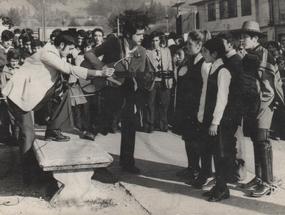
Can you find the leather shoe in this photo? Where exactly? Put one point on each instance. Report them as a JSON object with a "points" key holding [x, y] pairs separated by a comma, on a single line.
{"points": [[255, 181], [131, 169], [87, 135], [210, 192], [199, 182], [219, 195], [56, 135], [261, 190]]}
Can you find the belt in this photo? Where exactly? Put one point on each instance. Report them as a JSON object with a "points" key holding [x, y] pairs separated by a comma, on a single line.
{"points": [[164, 75]]}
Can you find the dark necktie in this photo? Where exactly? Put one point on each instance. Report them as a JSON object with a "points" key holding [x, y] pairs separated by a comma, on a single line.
{"points": [[158, 59]]}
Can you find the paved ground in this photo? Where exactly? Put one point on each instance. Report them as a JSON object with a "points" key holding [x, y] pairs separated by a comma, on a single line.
{"points": [[156, 191], [161, 155]]}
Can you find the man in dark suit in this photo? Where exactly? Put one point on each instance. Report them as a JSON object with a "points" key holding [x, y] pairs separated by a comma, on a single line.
{"points": [[130, 73]]}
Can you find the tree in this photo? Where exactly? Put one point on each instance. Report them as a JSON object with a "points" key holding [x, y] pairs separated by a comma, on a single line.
{"points": [[136, 15], [15, 16], [73, 22]]}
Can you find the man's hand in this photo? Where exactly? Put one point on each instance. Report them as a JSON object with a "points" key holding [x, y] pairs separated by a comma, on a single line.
{"points": [[213, 130], [107, 71], [241, 52]]}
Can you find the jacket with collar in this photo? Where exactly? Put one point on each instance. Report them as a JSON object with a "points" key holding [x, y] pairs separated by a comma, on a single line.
{"points": [[38, 74], [261, 79]]}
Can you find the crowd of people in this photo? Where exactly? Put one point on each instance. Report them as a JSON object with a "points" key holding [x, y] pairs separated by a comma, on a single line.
{"points": [[203, 88]]}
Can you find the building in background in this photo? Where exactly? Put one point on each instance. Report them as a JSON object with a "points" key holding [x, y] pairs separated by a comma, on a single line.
{"points": [[222, 15], [278, 17]]}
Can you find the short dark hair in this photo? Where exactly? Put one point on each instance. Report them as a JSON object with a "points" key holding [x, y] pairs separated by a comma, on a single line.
{"points": [[65, 37], [134, 20], [13, 54], [274, 44], [26, 38], [215, 45], [97, 29], [7, 35], [81, 33], [55, 33], [196, 36], [228, 36], [156, 34], [17, 31]]}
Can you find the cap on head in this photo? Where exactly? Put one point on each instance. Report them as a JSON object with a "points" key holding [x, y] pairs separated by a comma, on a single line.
{"points": [[251, 27]]}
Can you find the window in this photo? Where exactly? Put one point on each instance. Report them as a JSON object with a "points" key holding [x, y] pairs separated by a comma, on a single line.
{"points": [[282, 11], [282, 17], [197, 20], [211, 11], [245, 7], [228, 8]]}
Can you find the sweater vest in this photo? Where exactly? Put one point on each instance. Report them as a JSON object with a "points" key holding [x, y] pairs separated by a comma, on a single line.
{"points": [[190, 88], [211, 99]]}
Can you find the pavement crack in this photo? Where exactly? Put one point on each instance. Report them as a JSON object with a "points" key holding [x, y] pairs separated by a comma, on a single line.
{"points": [[128, 192]]}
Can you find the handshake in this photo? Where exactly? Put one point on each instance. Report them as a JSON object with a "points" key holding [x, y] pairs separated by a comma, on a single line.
{"points": [[104, 72]]}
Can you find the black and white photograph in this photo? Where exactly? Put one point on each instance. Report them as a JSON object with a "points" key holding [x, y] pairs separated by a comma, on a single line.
{"points": [[142, 107]]}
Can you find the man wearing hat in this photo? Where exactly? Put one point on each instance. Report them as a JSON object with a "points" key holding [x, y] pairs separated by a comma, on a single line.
{"points": [[262, 91]]}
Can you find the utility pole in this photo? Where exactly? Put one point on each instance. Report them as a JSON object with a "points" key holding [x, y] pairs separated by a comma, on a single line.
{"points": [[44, 19], [167, 19], [178, 17], [118, 26]]}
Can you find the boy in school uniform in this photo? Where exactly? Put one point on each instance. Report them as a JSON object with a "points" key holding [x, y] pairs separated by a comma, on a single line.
{"points": [[215, 115]]}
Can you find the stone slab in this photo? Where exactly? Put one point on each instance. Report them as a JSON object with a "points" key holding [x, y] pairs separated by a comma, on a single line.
{"points": [[76, 154]]}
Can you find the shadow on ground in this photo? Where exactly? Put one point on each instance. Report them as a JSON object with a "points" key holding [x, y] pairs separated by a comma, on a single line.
{"points": [[162, 176]]}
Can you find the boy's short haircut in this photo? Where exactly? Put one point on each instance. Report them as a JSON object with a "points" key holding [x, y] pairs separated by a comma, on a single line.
{"points": [[81, 33], [13, 54], [55, 33], [196, 36], [26, 38], [97, 29], [155, 34], [7, 35], [17, 31], [215, 45], [274, 44], [65, 37], [228, 36], [87, 42], [133, 21]]}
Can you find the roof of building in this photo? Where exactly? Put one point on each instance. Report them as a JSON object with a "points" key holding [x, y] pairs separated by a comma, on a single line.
{"points": [[201, 2]]}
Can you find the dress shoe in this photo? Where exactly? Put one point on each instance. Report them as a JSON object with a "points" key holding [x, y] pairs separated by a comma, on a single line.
{"points": [[56, 135], [87, 135], [131, 169], [199, 182], [261, 190], [210, 192], [255, 181], [219, 195]]}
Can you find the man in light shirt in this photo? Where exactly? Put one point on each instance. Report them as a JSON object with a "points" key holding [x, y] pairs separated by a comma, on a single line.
{"points": [[34, 85]]}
